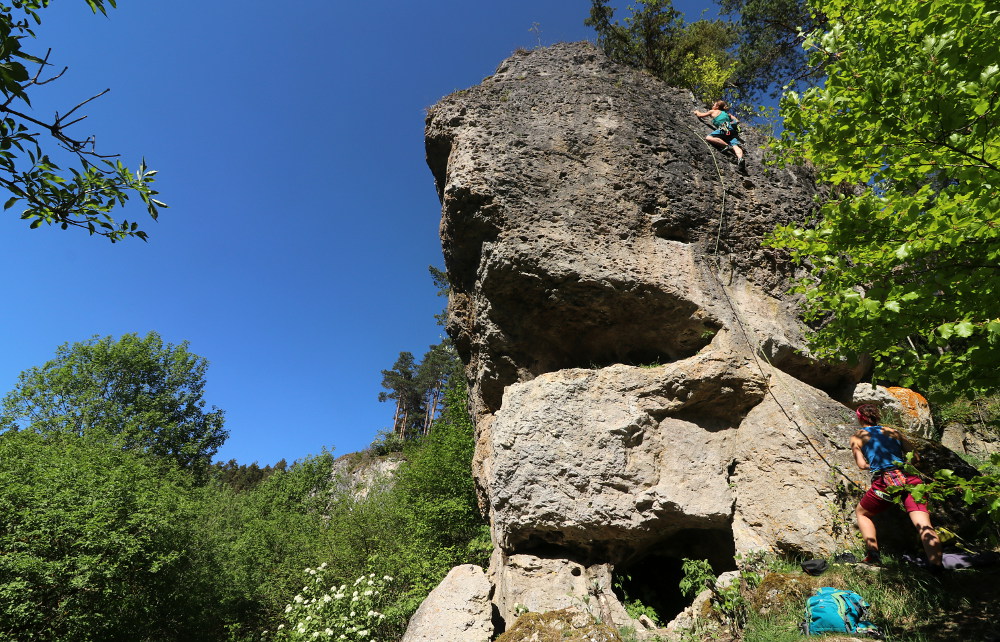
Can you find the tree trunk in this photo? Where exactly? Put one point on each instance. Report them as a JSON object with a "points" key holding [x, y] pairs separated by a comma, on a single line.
{"points": [[395, 418]]}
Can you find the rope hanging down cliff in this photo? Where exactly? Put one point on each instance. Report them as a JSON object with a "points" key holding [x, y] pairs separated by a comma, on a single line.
{"points": [[755, 351]]}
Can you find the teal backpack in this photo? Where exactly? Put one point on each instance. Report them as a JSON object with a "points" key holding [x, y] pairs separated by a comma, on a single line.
{"points": [[833, 610]]}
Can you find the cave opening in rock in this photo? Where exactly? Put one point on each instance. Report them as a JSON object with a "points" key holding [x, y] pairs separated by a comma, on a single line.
{"points": [[650, 583]]}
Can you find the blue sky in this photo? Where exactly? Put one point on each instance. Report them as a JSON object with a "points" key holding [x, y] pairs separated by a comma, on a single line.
{"points": [[289, 143]]}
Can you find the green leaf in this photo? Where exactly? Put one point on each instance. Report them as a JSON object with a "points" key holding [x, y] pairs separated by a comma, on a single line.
{"points": [[964, 329]]}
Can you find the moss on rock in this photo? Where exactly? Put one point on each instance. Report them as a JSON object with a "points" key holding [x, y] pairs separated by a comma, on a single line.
{"points": [[566, 625]]}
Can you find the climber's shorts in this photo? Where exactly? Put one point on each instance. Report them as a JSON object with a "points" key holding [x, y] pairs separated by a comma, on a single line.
{"points": [[877, 500], [728, 138]]}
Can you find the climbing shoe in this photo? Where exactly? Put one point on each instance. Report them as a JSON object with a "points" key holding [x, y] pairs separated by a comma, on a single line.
{"points": [[742, 165], [873, 558]]}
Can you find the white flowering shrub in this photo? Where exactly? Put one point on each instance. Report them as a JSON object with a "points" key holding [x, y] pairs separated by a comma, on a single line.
{"points": [[325, 611]]}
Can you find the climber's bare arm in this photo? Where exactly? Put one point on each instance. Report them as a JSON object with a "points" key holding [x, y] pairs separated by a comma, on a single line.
{"points": [[856, 442]]}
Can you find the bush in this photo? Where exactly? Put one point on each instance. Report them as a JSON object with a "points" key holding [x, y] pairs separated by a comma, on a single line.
{"points": [[346, 612], [97, 545]]}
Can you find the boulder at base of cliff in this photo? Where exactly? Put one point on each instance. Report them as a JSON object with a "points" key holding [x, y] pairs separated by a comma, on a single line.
{"points": [[458, 610], [912, 408]]}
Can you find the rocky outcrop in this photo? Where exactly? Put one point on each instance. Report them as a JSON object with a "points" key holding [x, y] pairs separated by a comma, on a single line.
{"points": [[905, 407], [640, 383], [564, 625], [458, 609], [359, 473], [537, 584], [586, 222], [618, 312], [970, 440]]}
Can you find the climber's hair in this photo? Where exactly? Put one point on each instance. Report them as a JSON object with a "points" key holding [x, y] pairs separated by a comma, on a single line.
{"points": [[868, 414], [721, 104]]}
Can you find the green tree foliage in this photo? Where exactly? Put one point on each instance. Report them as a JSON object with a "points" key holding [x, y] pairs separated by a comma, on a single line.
{"points": [[769, 47], [440, 278], [83, 195], [906, 254], [655, 37], [422, 522], [262, 537], [100, 544], [244, 477], [982, 413], [103, 543], [143, 392], [417, 388], [402, 387], [644, 40], [437, 483], [701, 59]]}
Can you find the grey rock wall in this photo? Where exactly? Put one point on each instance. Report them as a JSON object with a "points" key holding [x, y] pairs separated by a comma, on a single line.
{"points": [[639, 381]]}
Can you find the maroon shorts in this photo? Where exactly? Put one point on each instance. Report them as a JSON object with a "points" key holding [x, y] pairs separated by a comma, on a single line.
{"points": [[877, 500]]}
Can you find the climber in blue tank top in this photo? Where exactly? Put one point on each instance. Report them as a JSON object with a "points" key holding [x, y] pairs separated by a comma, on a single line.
{"points": [[725, 135], [879, 449]]}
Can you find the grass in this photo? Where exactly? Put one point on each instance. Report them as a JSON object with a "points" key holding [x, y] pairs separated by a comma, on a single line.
{"points": [[908, 604]]}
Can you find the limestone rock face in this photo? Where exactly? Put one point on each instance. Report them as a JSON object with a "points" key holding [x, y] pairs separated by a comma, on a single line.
{"points": [[970, 441], [359, 474], [458, 610], [611, 461], [536, 584], [640, 383], [590, 233], [587, 222]]}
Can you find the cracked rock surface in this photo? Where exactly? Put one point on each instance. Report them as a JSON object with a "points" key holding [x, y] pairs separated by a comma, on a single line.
{"points": [[639, 380]]}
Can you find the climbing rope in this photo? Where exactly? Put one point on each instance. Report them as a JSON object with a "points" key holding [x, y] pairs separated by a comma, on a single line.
{"points": [[755, 350]]}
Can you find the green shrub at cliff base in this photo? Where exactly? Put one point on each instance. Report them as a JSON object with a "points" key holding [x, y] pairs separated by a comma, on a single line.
{"points": [[436, 482], [418, 526], [98, 544], [980, 494], [908, 266], [262, 538]]}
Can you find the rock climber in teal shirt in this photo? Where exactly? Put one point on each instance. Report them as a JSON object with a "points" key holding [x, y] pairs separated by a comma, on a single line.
{"points": [[725, 135]]}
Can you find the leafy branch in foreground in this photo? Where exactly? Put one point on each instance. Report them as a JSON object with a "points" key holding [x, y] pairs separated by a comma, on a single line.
{"points": [[980, 493], [906, 254], [83, 195]]}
